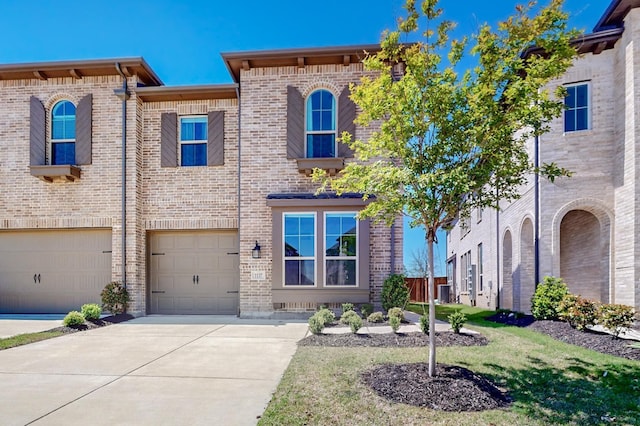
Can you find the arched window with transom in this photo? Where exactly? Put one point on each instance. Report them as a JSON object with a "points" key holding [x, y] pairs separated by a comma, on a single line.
{"points": [[63, 133], [320, 124]]}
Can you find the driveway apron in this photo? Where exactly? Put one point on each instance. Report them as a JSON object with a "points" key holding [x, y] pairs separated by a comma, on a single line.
{"points": [[156, 370]]}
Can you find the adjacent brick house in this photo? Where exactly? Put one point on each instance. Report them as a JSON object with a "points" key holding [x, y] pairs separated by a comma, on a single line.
{"points": [[584, 228], [209, 174]]}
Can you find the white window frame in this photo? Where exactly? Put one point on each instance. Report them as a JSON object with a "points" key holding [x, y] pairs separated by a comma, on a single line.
{"points": [[52, 140], [315, 250], [321, 132], [589, 107], [204, 141], [324, 251], [480, 255]]}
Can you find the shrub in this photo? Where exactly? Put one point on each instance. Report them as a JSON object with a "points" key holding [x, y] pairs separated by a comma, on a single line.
{"points": [[73, 318], [616, 317], [326, 315], [547, 298], [375, 317], [91, 311], [355, 323], [424, 324], [578, 311], [347, 316], [366, 309], [395, 293], [396, 312], [347, 307], [316, 324], [394, 322], [115, 298], [457, 320]]}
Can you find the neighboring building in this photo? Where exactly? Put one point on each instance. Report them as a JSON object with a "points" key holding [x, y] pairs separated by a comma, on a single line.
{"points": [[201, 175], [585, 229]]}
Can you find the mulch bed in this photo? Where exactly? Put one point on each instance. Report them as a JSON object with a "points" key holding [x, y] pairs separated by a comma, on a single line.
{"points": [[395, 340], [89, 325]]}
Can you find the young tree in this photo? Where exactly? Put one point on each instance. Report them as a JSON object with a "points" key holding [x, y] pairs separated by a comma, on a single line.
{"points": [[449, 142]]}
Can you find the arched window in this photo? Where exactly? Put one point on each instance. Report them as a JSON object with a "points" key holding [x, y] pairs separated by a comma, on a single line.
{"points": [[63, 133], [321, 124]]}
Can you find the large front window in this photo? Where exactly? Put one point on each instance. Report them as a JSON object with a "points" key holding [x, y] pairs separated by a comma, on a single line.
{"points": [[63, 133], [341, 242], [299, 249], [193, 141], [321, 124], [576, 113]]}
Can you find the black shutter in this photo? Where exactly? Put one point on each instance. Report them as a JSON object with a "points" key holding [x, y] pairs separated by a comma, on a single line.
{"points": [[215, 142], [83, 131], [37, 132], [346, 116], [295, 123], [169, 139]]}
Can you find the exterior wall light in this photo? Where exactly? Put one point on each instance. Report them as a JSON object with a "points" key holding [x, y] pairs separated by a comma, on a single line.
{"points": [[255, 253]]}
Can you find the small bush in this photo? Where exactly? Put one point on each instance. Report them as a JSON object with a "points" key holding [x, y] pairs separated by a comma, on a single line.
{"points": [[366, 309], [375, 317], [316, 324], [73, 318], [395, 293], [547, 298], [347, 316], [396, 312], [91, 311], [394, 322], [326, 315], [424, 324], [355, 323], [616, 318], [115, 298], [578, 311], [457, 320], [347, 307]]}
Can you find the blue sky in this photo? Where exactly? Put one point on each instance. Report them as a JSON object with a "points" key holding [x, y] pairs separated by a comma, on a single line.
{"points": [[182, 40]]}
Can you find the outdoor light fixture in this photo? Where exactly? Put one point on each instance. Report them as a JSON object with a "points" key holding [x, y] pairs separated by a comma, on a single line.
{"points": [[255, 253]]}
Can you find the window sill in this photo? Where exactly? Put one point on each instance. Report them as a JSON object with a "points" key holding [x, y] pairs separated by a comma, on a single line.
{"points": [[57, 173], [331, 165]]}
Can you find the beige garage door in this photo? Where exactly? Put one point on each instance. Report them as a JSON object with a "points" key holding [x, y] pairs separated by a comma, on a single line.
{"points": [[194, 273], [53, 271]]}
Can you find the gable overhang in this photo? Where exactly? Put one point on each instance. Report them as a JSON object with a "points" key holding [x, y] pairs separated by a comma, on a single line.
{"points": [[79, 69], [345, 55], [188, 93], [614, 16]]}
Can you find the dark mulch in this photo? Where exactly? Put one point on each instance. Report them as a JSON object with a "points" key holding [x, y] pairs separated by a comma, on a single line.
{"points": [[452, 388], [396, 340], [89, 325]]}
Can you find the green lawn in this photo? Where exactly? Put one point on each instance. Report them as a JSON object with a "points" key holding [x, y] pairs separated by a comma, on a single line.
{"points": [[549, 381], [24, 339]]}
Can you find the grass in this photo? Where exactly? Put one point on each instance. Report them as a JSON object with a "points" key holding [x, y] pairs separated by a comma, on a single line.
{"points": [[25, 339], [550, 382]]}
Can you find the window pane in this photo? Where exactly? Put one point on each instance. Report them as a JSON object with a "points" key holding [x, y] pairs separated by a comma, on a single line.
{"points": [[316, 99], [193, 154], [292, 246], [299, 272], [332, 245], [327, 120], [63, 153], [341, 272], [582, 95], [582, 119], [307, 225], [291, 225], [315, 121], [320, 146], [307, 245], [193, 129], [570, 100], [299, 232], [569, 121]]}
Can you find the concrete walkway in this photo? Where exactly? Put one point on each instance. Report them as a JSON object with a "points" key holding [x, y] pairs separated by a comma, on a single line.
{"points": [[155, 370], [12, 325]]}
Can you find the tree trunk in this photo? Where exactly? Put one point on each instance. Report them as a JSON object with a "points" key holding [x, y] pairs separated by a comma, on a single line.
{"points": [[430, 237]]}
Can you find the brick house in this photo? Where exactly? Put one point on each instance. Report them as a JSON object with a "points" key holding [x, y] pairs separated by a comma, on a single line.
{"points": [[584, 228], [109, 175]]}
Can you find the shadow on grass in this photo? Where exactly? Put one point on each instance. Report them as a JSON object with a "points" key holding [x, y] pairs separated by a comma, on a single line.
{"points": [[474, 315], [582, 393]]}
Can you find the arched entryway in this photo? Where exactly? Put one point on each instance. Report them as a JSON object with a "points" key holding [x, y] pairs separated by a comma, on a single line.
{"points": [[584, 254], [527, 267], [506, 295]]}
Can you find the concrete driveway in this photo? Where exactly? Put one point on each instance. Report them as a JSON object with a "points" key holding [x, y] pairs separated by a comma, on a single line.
{"points": [[155, 370]]}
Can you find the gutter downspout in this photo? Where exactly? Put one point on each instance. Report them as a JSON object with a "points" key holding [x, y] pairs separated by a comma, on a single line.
{"points": [[536, 216], [123, 94], [239, 170]]}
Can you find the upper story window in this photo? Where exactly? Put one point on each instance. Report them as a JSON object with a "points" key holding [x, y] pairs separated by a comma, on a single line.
{"points": [[321, 124], [299, 249], [341, 249], [193, 141], [63, 133], [576, 114]]}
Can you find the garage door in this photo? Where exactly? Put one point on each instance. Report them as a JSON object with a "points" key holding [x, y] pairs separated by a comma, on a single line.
{"points": [[194, 273], [53, 271]]}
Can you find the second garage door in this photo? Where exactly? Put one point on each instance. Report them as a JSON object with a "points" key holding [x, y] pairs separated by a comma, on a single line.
{"points": [[194, 272]]}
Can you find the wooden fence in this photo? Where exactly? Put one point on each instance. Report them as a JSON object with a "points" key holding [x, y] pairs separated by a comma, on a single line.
{"points": [[417, 287]]}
